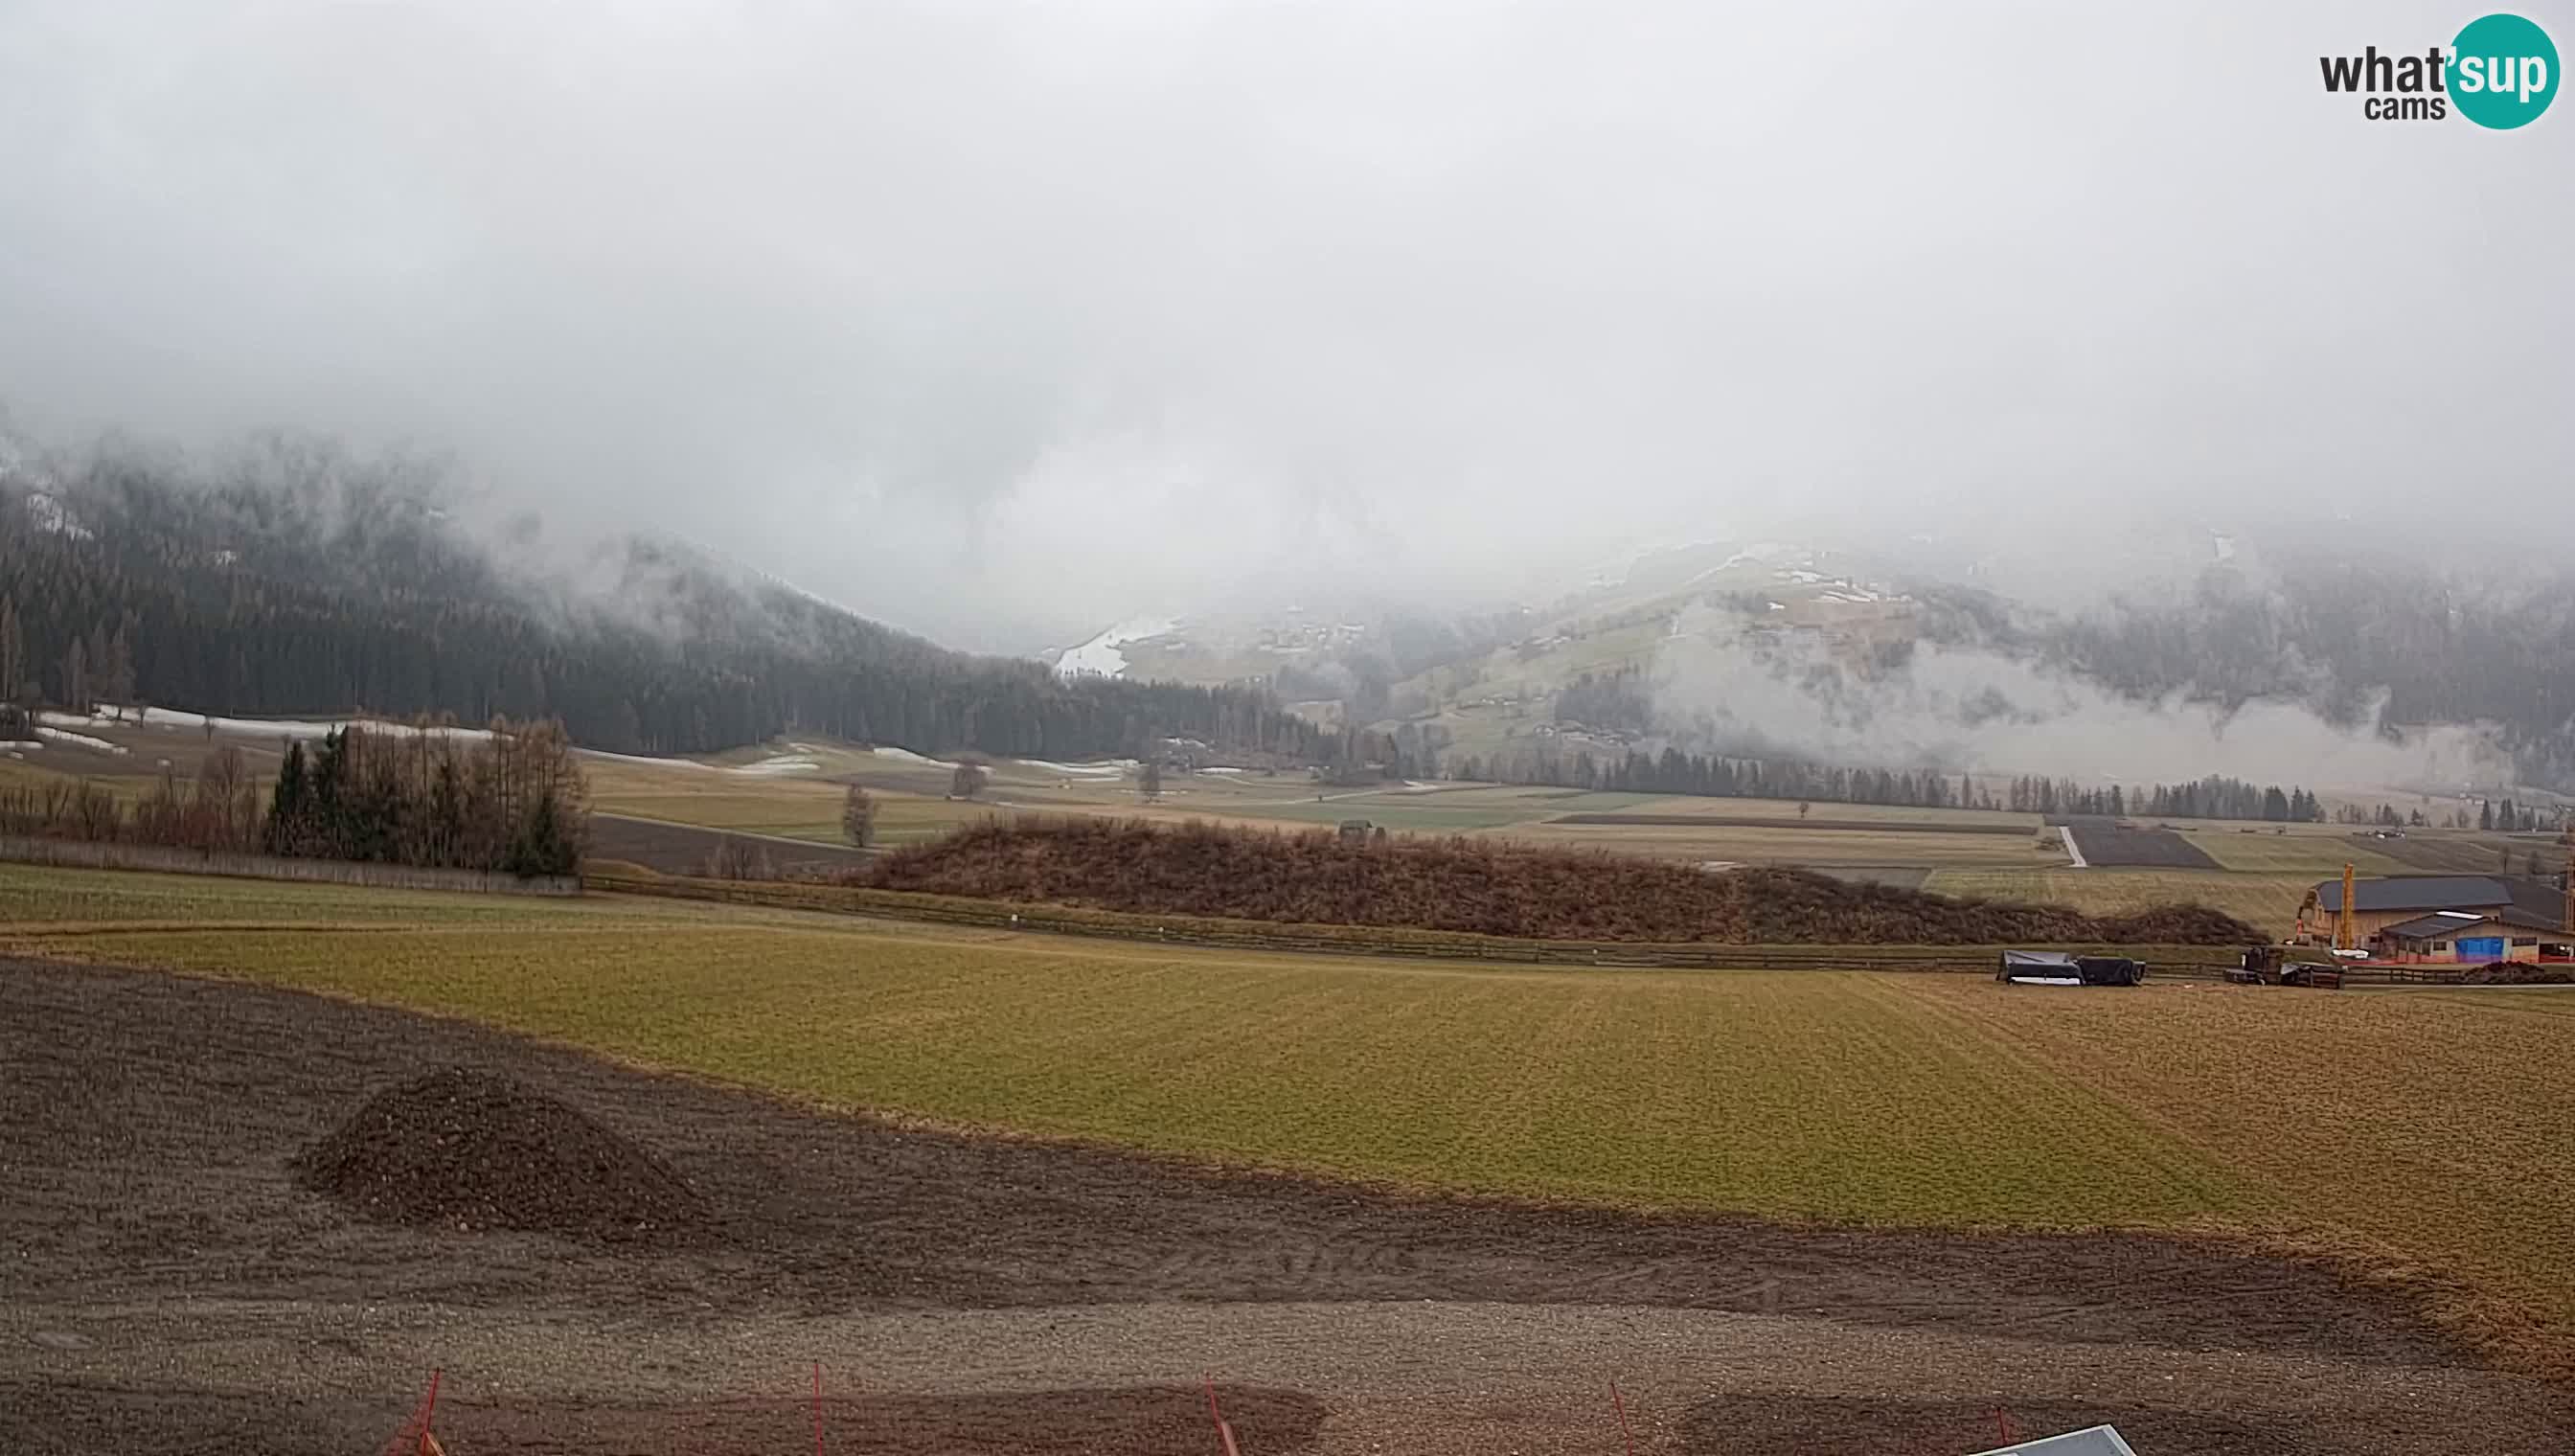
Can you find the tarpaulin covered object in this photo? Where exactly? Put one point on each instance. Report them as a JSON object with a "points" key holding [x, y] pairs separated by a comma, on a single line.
{"points": [[2057, 968]]}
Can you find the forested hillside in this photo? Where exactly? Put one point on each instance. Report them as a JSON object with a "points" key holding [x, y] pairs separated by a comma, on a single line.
{"points": [[308, 585]]}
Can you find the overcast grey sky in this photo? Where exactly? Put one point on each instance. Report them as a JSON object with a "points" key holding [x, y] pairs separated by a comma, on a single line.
{"points": [[999, 321]]}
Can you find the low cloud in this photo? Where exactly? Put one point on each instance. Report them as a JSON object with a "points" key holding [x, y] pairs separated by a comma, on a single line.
{"points": [[1720, 685]]}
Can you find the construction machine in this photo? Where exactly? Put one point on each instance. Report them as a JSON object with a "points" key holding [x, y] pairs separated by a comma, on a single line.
{"points": [[2270, 965]]}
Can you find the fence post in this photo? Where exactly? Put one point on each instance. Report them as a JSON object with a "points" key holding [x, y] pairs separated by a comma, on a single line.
{"points": [[1224, 1432]]}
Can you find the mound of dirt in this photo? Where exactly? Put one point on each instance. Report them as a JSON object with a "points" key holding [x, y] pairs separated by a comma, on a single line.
{"points": [[469, 1150], [2177, 924], [2518, 974]]}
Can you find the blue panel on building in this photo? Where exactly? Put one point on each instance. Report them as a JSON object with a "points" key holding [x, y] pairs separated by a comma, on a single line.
{"points": [[2486, 948]]}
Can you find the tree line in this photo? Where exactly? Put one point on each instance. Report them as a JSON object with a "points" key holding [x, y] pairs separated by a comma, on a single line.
{"points": [[511, 799], [1721, 777], [2213, 798]]}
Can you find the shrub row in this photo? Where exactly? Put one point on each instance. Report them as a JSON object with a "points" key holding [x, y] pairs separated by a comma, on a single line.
{"points": [[1482, 887]]}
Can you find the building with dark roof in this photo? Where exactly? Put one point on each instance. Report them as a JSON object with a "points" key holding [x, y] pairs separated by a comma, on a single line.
{"points": [[2517, 907], [2465, 935]]}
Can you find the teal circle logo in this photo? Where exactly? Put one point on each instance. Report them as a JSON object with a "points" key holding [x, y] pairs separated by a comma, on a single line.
{"points": [[2503, 71]]}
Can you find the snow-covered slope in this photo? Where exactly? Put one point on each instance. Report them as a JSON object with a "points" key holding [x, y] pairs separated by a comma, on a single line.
{"points": [[1100, 657]]}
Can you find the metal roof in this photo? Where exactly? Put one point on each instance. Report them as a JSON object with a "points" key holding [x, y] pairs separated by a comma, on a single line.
{"points": [[2417, 892], [2445, 924], [2452, 922], [2542, 902]]}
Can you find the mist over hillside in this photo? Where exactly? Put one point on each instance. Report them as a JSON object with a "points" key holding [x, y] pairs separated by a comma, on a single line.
{"points": [[293, 575], [2268, 660], [293, 578]]}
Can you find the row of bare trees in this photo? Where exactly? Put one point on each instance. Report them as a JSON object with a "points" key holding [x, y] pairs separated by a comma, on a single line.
{"points": [[217, 810]]}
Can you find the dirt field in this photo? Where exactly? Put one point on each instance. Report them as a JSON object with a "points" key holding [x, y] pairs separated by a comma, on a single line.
{"points": [[2105, 844], [672, 848], [172, 1288]]}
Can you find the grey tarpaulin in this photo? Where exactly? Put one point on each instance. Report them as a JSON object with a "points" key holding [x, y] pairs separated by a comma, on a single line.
{"points": [[2039, 967]]}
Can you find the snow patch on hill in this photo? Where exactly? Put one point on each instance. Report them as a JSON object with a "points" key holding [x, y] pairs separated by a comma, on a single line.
{"points": [[906, 755], [1100, 657], [80, 740], [1111, 768]]}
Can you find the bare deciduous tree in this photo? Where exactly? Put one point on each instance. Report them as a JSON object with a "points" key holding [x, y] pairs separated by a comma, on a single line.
{"points": [[738, 858], [857, 816]]}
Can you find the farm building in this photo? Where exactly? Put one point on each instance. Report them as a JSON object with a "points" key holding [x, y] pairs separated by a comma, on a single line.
{"points": [[2464, 935], [2414, 907]]}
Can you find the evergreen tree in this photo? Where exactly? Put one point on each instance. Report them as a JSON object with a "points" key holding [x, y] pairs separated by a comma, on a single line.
{"points": [[13, 651], [76, 676], [115, 671], [289, 812]]}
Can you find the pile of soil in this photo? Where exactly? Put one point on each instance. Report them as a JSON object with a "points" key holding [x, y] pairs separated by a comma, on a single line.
{"points": [[1486, 886], [2518, 974], [470, 1151], [2175, 924]]}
